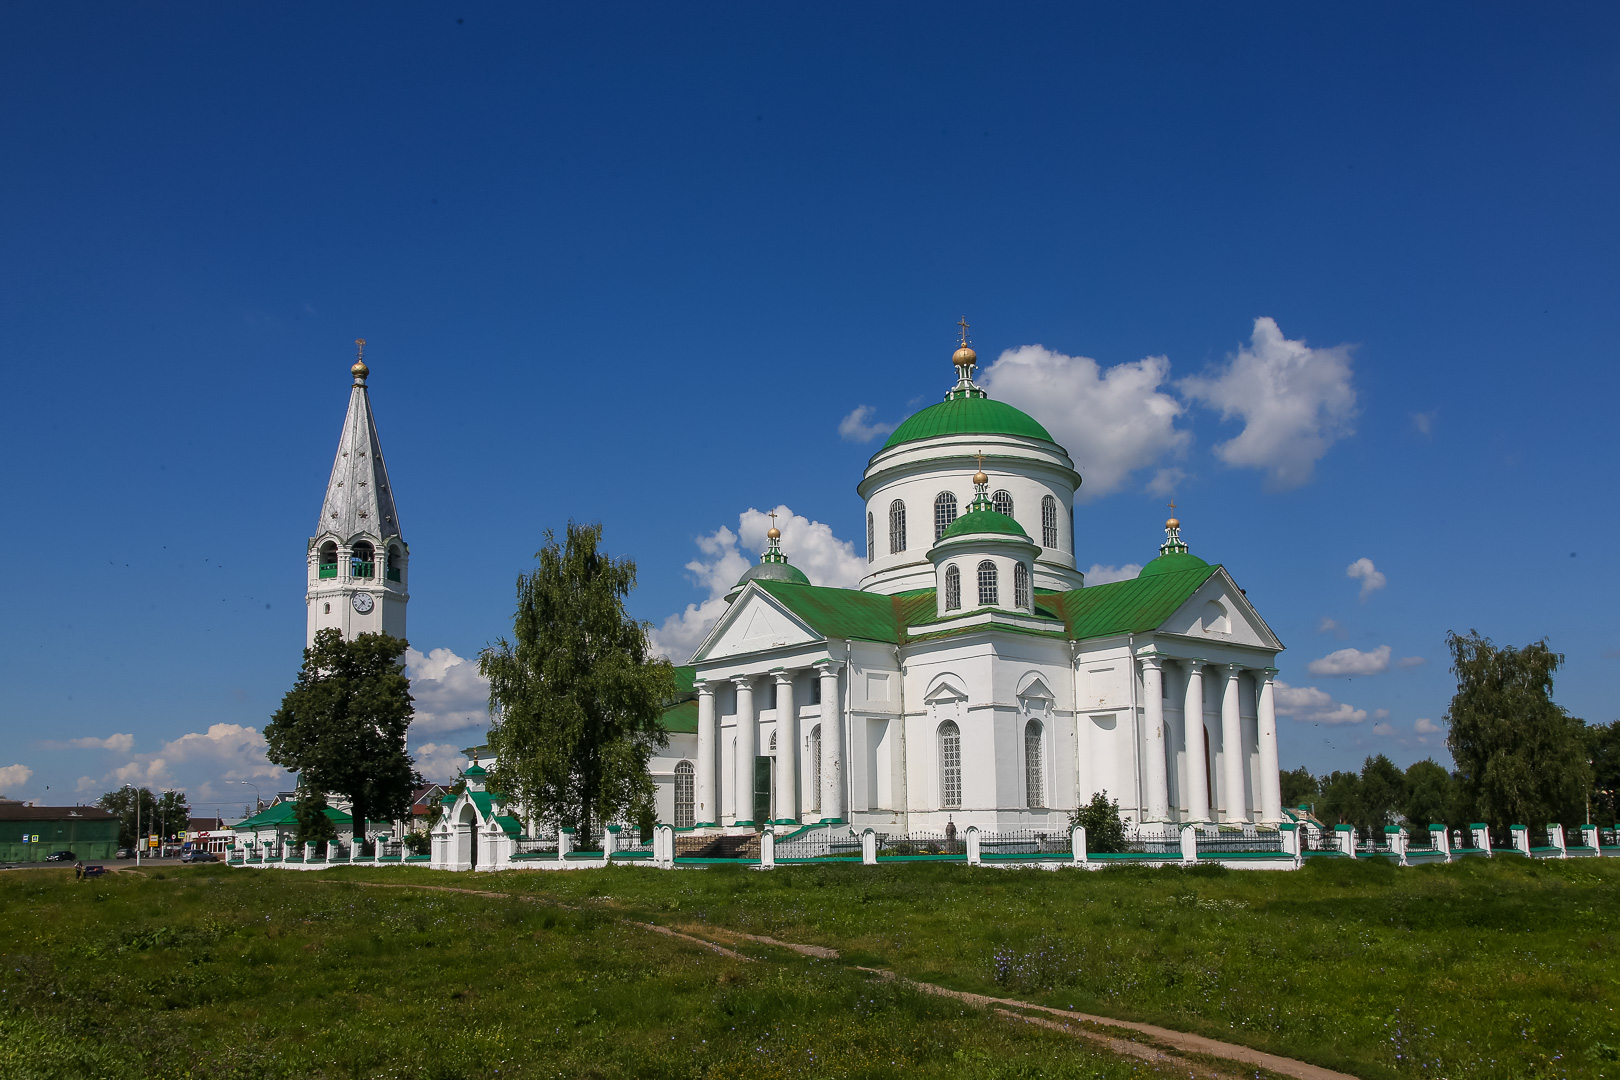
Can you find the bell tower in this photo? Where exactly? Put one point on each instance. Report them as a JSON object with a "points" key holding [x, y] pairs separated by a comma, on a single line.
{"points": [[358, 563]]}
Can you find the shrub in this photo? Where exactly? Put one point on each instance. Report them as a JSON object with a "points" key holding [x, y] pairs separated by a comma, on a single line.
{"points": [[1105, 832]]}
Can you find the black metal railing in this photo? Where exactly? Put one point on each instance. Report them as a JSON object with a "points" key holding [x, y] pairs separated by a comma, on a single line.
{"points": [[916, 844], [535, 846], [1023, 842], [1322, 840], [1239, 842], [1158, 842], [820, 844]]}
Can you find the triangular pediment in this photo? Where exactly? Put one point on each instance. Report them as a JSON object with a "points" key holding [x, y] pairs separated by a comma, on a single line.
{"points": [[1218, 611], [755, 623]]}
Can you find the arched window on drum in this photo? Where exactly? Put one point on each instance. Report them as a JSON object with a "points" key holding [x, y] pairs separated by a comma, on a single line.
{"points": [[1049, 518]]}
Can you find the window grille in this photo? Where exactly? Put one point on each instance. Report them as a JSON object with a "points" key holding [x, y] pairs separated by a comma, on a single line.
{"points": [[944, 513], [871, 550], [897, 527], [1021, 586], [1033, 773], [815, 688], [950, 765], [815, 768], [1049, 537], [987, 584], [685, 791], [953, 589], [1001, 503]]}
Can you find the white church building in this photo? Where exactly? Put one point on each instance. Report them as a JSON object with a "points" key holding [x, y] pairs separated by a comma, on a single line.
{"points": [[973, 678]]}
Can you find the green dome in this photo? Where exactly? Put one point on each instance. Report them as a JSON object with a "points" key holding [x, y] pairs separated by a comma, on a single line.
{"points": [[967, 415], [1171, 563], [983, 521], [773, 571]]}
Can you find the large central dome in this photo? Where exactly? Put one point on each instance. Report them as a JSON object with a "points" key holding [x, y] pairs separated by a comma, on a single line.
{"points": [[968, 414]]}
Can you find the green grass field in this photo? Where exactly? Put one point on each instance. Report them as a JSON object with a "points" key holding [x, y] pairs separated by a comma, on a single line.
{"points": [[1498, 969]]}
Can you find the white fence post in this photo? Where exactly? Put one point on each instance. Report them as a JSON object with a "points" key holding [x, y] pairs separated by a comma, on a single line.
{"points": [[869, 847], [973, 845], [1395, 837], [565, 842], [1077, 844], [1440, 837], [1189, 844], [664, 846], [1521, 839], [1345, 835], [1482, 836], [1555, 837], [1290, 840], [1589, 837], [767, 849]]}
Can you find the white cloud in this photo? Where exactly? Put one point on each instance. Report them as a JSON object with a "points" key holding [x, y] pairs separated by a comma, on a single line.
{"points": [[1372, 579], [13, 776], [1166, 482], [206, 765], [1102, 575], [809, 545], [1425, 726], [1380, 714], [1352, 662], [1410, 662], [1113, 421], [1383, 729], [1309, 705], [1295, 402], [1332, 626], [123, 744], [855, 427], [1423, 423], [439, 762], [448, 691]]}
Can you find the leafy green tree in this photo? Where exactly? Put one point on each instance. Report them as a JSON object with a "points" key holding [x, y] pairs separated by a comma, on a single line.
{"points": [[342, 726], [1603, 751], [162, 815], [1340, 802], [577, 696], [1430, 796], [1105, 830], [1299, 787], [314, 826], [1380, 796], [1520, 757]]}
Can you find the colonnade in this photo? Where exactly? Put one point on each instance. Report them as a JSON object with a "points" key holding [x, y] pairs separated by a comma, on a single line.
{"points": [[1233, 784], [709, 781]]}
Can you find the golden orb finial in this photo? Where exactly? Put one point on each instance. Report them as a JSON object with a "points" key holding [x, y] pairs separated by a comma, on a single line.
{"points": [[1173, 523], [773, 533], [964, 356], [359, 370], [979, 477]]}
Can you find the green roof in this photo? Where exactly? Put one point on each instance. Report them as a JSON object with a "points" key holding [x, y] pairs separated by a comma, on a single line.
{"points": [[684, 677], [1129, 607], [476, 770], [983, 521], [967, 415], [1173, 563], [840, 613], [681, 718], [286, 813], [773, 571]]}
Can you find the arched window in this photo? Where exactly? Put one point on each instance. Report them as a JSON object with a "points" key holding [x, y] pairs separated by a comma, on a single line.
{"points": [[362, 560], [1034, 785], [815, 768], [953, 589], [1001, 503], [987, 584], [1021, 587], [897, 527], [1215, 618], [685, 795], [944, 513], [393, 562], [950, 765], [871, 548], [328, 560], [1049, 537], [772, 750]]}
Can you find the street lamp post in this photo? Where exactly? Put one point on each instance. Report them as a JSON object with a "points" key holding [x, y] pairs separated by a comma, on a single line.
{"points": [[137, 793]]}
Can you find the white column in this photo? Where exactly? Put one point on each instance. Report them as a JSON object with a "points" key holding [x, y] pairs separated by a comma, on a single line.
{"points": [[1192, 723], [787, 749], [832, 745], [1235, 798], [707, 811], [1269, 797], [747, 749], [1155, 778]]}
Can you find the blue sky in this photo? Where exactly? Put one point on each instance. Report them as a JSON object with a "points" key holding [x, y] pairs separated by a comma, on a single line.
{"points": [[639, 265]]}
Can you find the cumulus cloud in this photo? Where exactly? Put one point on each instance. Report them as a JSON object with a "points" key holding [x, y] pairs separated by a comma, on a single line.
{"points": [[1410, 662], [1371, 578], [439, 763], [1425, 726], [123, 744], [1380, 714], [13, 777], [1383, 729], [1332, 626], [1352, 662], [1113, 421], [207, 765], [809, 545], [1309, 705], [1102, 575], [1166, 482], [449, 692], [858, 428], [1294, 401]]}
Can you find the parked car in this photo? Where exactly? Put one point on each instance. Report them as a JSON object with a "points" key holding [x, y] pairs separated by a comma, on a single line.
{"points": [[61, 856], [124, 853], [199, 856]]}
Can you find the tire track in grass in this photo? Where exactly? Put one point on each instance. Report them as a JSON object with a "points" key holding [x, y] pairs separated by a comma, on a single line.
{"points": [[1101, 1030]]}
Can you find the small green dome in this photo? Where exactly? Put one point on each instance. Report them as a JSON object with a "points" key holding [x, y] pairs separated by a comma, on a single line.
{"points": [[968, 414], [476, 770], [1173, 562], [983, 521], [773, 571]]}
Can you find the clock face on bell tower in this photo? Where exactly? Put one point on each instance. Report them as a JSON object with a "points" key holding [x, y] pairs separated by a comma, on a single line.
{"points": [[358, 561]]}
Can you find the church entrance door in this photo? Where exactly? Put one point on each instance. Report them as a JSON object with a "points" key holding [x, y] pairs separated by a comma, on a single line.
{"points": [[762, 791]]}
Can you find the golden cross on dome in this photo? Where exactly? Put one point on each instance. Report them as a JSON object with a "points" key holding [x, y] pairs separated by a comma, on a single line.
{"points": [[980, 457], [772, 516], [360, 352], [963, 323]]}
